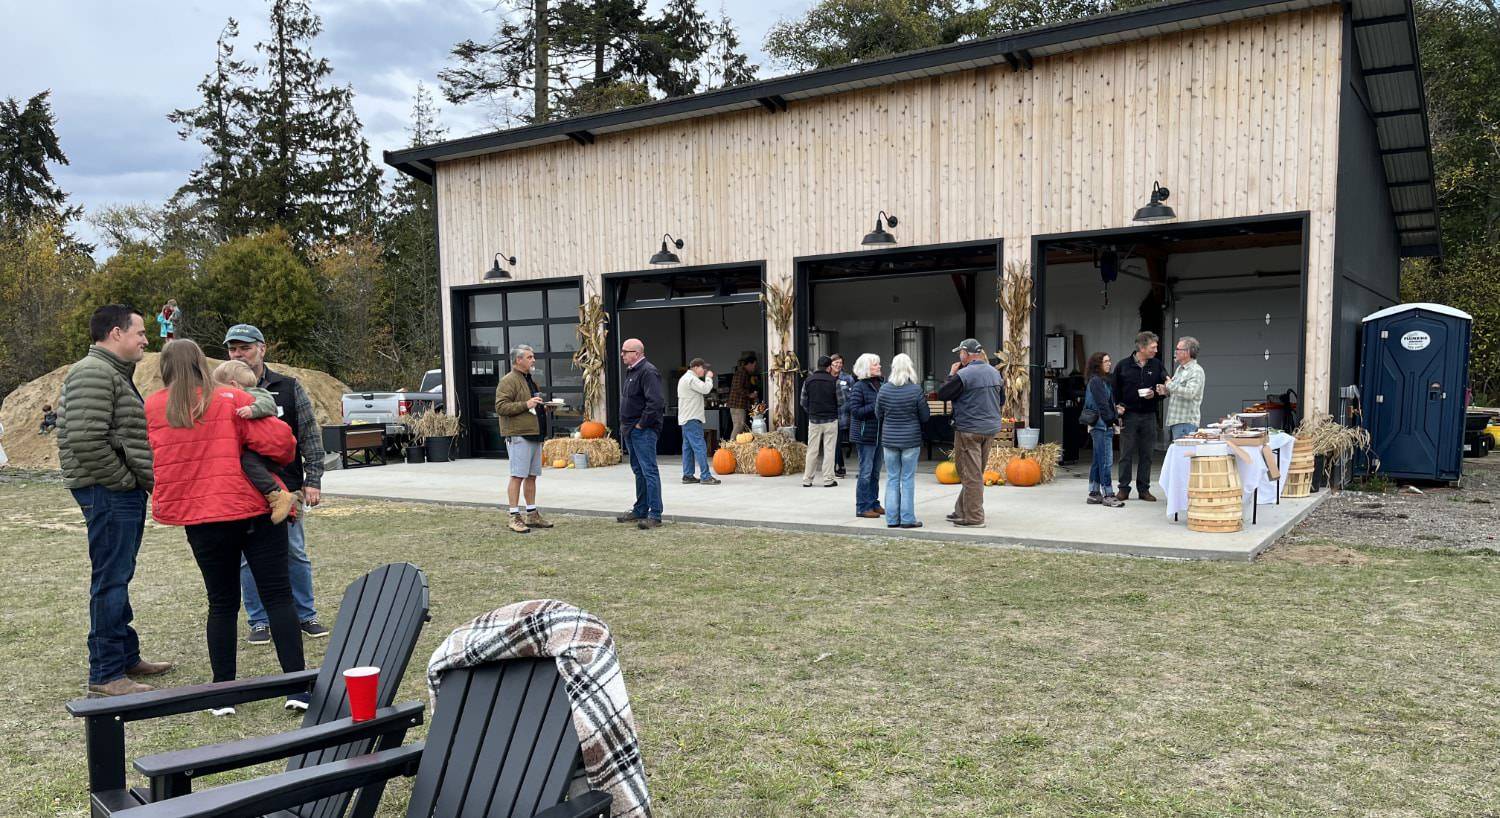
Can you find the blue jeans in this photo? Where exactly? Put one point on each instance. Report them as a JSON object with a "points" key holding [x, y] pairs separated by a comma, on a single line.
{"points": [[300, 573], [115, 522], [693, 446], [647, 479], [901, 485], [867, 487], [1104, 460], [1177, 430]]}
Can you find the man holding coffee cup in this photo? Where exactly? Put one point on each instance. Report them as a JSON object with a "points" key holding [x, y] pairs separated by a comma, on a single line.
{"points": [[1137, 386], [523, 423]]}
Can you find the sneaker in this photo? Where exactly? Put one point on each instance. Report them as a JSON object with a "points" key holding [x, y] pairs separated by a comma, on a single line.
{"points": [[534, 520], [119, 687], [220, 711], [517, 524], [840, 473], [314, 628], [710, 481], [1111, 501], [830, 484], [807, 484], [259, 635], [1095, 499], [296, 701], [628, 517], [911, 525], [688, 478], [649, 522], [951, 517]]}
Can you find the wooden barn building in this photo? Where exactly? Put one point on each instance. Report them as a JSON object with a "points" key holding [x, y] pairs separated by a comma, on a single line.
{"points": [[1292, 135]]}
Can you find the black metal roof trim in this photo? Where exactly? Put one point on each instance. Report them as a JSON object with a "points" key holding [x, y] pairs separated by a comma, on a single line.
{"points": [[1012, 48]]}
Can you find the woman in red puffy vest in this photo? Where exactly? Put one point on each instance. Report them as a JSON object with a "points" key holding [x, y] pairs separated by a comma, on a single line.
{"points": [[196, 439]]}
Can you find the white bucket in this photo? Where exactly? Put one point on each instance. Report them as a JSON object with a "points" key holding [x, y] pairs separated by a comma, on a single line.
{"points": [[758, 425], [580, 460], [1028, 438]]}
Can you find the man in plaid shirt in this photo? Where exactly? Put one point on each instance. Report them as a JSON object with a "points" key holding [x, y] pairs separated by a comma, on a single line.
{"points": [[1184, 390]]}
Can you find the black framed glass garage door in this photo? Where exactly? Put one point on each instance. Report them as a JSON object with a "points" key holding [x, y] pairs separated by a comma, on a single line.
{"points": [[543, 317]]}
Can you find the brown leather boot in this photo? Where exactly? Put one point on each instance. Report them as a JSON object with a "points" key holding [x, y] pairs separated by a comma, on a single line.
{"points": [[534, 520], [281, 503], [1122, 495], [518, 524], [119, 687], [145, 668]]}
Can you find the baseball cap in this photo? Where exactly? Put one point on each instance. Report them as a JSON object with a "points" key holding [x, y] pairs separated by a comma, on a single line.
{"points": [[969, 345], [244, 332]]}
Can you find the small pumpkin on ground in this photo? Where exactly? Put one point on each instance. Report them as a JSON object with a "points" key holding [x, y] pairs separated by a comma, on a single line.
{"points": [[591, 430], [993, 478], [768, 462], [744, 437], [559, 464], [1023, 471], [724, 461], [947, 472]]}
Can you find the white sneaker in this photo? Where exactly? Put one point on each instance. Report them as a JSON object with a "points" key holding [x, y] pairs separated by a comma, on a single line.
{"points": [[298, 702], [221, 711]]}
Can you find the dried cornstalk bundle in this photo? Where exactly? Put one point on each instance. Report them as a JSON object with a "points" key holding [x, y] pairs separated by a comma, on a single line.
{"points": [[1015, 299], [1335, 442], [592, 352], [779, 303]]}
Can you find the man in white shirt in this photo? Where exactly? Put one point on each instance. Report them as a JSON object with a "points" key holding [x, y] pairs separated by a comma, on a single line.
{"points": [[695, 383]]}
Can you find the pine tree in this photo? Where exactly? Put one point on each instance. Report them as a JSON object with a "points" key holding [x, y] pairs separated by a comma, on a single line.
{"points": [[310, 170], [678, 40], [222, 123], [408, 235], [726, 64], [28, 142], [514, 63]]}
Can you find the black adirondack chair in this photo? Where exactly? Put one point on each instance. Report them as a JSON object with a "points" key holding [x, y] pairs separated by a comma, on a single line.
{"points": [[379, 621], [501, 745]]}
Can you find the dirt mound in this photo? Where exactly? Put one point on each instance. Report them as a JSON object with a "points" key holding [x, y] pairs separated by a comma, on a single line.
{"points": [[21, 413]]}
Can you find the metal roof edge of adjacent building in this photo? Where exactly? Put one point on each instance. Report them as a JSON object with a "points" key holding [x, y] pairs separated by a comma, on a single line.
{"points": [[1441, 309], [1016, 48]]}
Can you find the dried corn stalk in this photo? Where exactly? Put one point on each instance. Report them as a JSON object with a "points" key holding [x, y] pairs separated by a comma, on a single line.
{"points": [[779, 303], [1016, 302], [593, 350], [1335, 443]]}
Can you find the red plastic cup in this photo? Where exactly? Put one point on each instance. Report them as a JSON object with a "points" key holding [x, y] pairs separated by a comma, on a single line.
{"points": [[361, 682]]}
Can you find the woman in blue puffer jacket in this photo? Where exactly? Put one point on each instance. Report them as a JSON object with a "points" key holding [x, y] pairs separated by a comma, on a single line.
{"points": [[902, 410]]}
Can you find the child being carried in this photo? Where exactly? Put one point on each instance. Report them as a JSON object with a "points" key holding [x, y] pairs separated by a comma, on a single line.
{"points": [[257, 469]]}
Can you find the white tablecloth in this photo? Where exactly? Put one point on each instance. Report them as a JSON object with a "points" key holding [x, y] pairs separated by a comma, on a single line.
{"points": [[1253, 475]]}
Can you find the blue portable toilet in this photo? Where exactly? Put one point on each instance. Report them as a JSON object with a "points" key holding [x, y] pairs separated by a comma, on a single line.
{"points": [[1414, 379]]}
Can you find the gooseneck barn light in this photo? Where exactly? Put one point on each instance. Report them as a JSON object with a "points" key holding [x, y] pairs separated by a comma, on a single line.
{"points": [[664, 255], [879, 236], [498, 273], [1155, 211]]}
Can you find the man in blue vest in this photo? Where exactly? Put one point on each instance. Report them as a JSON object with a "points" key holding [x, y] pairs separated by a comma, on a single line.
{"points": [[978, 395], [305, 474]]}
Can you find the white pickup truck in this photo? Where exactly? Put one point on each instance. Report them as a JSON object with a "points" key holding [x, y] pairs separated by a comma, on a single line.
{"points": [[389, 407]]}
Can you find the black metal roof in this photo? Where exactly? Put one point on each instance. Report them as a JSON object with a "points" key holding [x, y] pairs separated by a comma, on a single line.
{"points": [[1385, 32]]}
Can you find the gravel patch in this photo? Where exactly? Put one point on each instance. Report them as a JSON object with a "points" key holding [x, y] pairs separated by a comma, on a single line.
{"points": [[1465, 517]]}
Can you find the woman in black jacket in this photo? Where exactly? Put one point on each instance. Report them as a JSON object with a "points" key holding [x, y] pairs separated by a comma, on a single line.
{"points": [[864, 431], [1101, 400]]}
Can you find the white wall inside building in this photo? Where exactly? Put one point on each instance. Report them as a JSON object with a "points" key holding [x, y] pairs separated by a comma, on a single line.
{"points": [[1245, 355], [675, 335], [865, 314]]}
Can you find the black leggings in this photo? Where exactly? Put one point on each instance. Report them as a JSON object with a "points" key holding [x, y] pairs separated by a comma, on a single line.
{"points": [[217, 548]]}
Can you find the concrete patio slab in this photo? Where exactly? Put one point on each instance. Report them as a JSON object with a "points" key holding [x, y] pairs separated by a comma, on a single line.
{"points": [[1051, 516]]}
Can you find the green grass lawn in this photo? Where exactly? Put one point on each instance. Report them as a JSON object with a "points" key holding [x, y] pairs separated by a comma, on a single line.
{"points": [[775, 674]]}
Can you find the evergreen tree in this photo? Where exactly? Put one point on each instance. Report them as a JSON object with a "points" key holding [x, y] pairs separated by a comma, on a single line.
{"points": [[676, 43], [310, 170], [408, 236], [726, 64], [222, 123], [514, 63], [28, 142], [838, 32]]}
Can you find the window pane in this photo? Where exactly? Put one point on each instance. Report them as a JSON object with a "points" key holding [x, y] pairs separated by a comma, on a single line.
{"points": [[562, 337], [564, 373], [486, 436], [487, 341], [539, 374], [647, 290], [524, 304], [562, 303], [484, 402], [485, 307], [533, 336], [485, 373]]}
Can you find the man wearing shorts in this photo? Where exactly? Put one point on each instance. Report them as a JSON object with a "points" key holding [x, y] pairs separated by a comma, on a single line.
{"points": [[523, 423]]}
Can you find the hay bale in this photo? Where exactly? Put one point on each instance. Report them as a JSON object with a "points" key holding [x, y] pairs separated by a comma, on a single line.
{"points": [[1045, 455], [21, 413], [793, 454], [601, 451]]}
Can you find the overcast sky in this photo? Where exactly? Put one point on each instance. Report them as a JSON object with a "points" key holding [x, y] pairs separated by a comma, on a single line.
{"points": [[116, 69]]}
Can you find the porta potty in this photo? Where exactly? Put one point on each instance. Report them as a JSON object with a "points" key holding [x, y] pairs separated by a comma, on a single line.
{"points": [[1413, 382]]}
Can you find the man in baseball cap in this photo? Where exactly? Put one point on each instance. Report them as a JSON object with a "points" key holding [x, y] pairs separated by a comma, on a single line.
{"points": [[969, 345], [247, 343], [977, 394]]}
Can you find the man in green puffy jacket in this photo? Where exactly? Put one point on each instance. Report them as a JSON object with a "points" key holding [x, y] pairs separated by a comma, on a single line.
{"points": [[106, 461]]}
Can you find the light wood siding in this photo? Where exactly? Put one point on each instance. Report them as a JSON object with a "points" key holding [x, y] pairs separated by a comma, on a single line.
{"points": [[1237, 120]]}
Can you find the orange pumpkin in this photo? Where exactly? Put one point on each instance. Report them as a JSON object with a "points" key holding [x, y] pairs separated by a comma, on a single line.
{"points": [[724, 461], [993, 478], [768, 462], [947, 472], [559, 463], [591, 430], [1023, 471]]}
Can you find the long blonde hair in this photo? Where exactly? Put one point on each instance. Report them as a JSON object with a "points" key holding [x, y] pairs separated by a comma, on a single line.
{"points": [[184, 370]]}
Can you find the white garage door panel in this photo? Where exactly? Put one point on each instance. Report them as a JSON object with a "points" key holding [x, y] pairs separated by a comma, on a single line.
{"points": [[1235, 338]]}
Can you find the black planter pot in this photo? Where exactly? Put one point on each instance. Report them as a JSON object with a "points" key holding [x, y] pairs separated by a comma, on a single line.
{"points": [[439, 449], [416, 454]]}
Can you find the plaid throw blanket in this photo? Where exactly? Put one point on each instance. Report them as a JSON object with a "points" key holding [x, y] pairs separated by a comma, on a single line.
{"points": [[586, 660]]}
